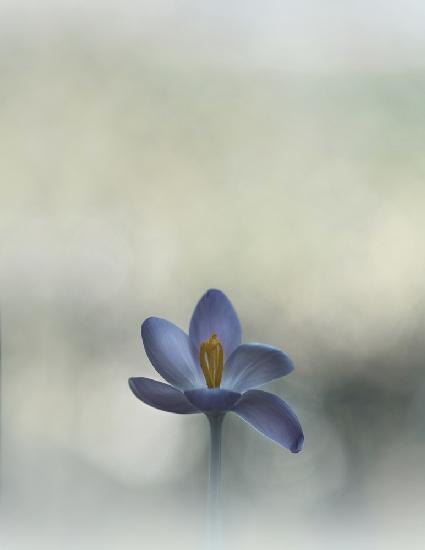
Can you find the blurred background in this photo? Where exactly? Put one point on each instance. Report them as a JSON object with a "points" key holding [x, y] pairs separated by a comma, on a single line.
{"points": [[152, 150]]}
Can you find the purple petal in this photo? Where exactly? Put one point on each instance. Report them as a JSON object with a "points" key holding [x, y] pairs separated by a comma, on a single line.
{"points": [[170, 352], [215, 313], [251, 365], [161, 396], [272, 417], [212, 400]]}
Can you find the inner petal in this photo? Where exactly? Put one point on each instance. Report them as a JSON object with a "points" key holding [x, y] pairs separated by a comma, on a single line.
{"points": [[213, 400]]}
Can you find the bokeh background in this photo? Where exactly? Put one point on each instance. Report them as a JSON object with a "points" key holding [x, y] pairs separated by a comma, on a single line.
{"points": [[152, 150]]}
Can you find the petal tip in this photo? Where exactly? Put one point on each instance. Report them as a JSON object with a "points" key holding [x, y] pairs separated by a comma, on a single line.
{"points": [[290, 364], [143, 328], [297, 446], [145, 325], [213, 292], [285, 360], [132, 383]]}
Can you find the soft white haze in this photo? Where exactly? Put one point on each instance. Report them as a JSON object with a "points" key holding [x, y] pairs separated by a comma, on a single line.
{"points": [[152, 150]]}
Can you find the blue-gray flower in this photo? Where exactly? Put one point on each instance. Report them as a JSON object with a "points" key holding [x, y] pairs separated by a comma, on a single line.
{"points": [[210, 371]]}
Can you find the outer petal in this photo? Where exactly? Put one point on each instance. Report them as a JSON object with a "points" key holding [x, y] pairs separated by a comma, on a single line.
{"points": [[161, 396], [272, 417], [212, 400], [215, 313], [170, 352], [251, 365]]}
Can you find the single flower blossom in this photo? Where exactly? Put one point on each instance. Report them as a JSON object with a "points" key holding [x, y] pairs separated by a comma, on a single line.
{"points": [[210, 371]]}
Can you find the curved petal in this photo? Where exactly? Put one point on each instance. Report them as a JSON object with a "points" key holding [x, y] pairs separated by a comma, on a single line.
{"points": [[251, 365], [212, 400], [170, 352], [161, 396], [215, 313], [272, 417]]}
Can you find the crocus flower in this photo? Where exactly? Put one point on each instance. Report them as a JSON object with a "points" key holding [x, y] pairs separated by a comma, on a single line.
{"points": [[210, 371]]}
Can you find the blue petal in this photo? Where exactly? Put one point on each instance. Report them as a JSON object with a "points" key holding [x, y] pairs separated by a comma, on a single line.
{"points": [[170, 352], [251, 365], [215, 313], [212, 400], [272, 417], [161, 396]]}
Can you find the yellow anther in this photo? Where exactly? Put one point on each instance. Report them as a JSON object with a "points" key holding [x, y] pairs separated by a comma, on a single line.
{"points": [[211, 359]]}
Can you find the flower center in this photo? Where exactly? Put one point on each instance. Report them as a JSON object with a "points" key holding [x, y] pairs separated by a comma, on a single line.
{"points": [[212, 361]]}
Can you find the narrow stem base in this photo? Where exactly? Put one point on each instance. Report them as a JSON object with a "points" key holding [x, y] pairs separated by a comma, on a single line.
{"points": [[214, 483]]}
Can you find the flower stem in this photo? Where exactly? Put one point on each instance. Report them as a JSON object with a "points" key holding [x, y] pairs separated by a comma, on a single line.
{"points": [[214, 517]]}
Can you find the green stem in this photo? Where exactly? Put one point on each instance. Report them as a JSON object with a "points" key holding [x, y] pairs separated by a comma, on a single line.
{"points": [[214, 517]]}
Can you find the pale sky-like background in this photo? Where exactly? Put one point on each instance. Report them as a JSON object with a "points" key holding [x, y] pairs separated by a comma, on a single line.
{"points": [[151, 151]]}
